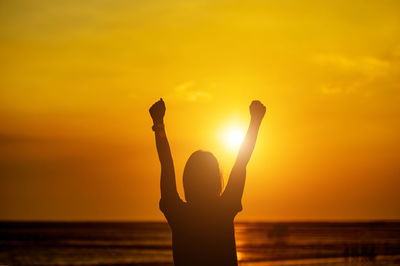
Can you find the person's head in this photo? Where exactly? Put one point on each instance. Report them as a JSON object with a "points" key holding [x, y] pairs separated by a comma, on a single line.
{"points": [[202, 179]]}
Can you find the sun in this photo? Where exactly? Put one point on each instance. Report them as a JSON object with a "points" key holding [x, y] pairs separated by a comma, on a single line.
{"points": [[234, 138]]}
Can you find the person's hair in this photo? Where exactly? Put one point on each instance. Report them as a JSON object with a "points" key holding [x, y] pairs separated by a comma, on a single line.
{"points": [[202, 178]]}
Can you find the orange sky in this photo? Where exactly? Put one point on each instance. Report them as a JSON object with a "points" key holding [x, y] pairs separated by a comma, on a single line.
{"points": [[77, 79]]}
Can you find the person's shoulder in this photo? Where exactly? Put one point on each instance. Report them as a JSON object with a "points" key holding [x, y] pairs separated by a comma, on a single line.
{"points": [[166, 204], [229, 207]]}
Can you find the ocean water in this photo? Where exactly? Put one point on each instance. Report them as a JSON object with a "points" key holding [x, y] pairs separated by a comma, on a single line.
{"points": [[141, 243]]}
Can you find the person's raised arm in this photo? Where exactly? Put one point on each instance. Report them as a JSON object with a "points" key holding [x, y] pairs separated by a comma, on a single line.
{"points": [[235, 186], [168, 183]]}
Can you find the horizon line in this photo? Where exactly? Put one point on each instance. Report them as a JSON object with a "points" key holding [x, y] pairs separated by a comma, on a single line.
{"points": [[240, 221]]}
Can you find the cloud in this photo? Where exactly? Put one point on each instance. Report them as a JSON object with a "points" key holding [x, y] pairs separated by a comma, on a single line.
{"points": [[331, 89], [365, 64], [188, 91], [364, 75]]}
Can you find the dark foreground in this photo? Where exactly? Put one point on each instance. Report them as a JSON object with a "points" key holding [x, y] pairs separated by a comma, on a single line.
{"points": [[376, 243]]}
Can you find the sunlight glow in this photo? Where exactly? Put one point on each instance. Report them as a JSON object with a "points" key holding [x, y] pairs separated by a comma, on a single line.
{"points": [[234, 138]]}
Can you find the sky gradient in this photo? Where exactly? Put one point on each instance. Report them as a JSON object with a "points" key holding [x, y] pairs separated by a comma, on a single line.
{"points": [[77, 79]]}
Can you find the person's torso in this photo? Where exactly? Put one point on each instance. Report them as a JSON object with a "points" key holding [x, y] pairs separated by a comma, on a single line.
{"points": [[203, 237]]}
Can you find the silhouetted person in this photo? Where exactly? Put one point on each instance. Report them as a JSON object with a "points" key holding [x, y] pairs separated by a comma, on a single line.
{"points": [[202, 227]]}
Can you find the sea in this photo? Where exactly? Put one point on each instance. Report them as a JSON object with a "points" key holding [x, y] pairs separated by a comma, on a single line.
{"points": [[149, 243]]}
